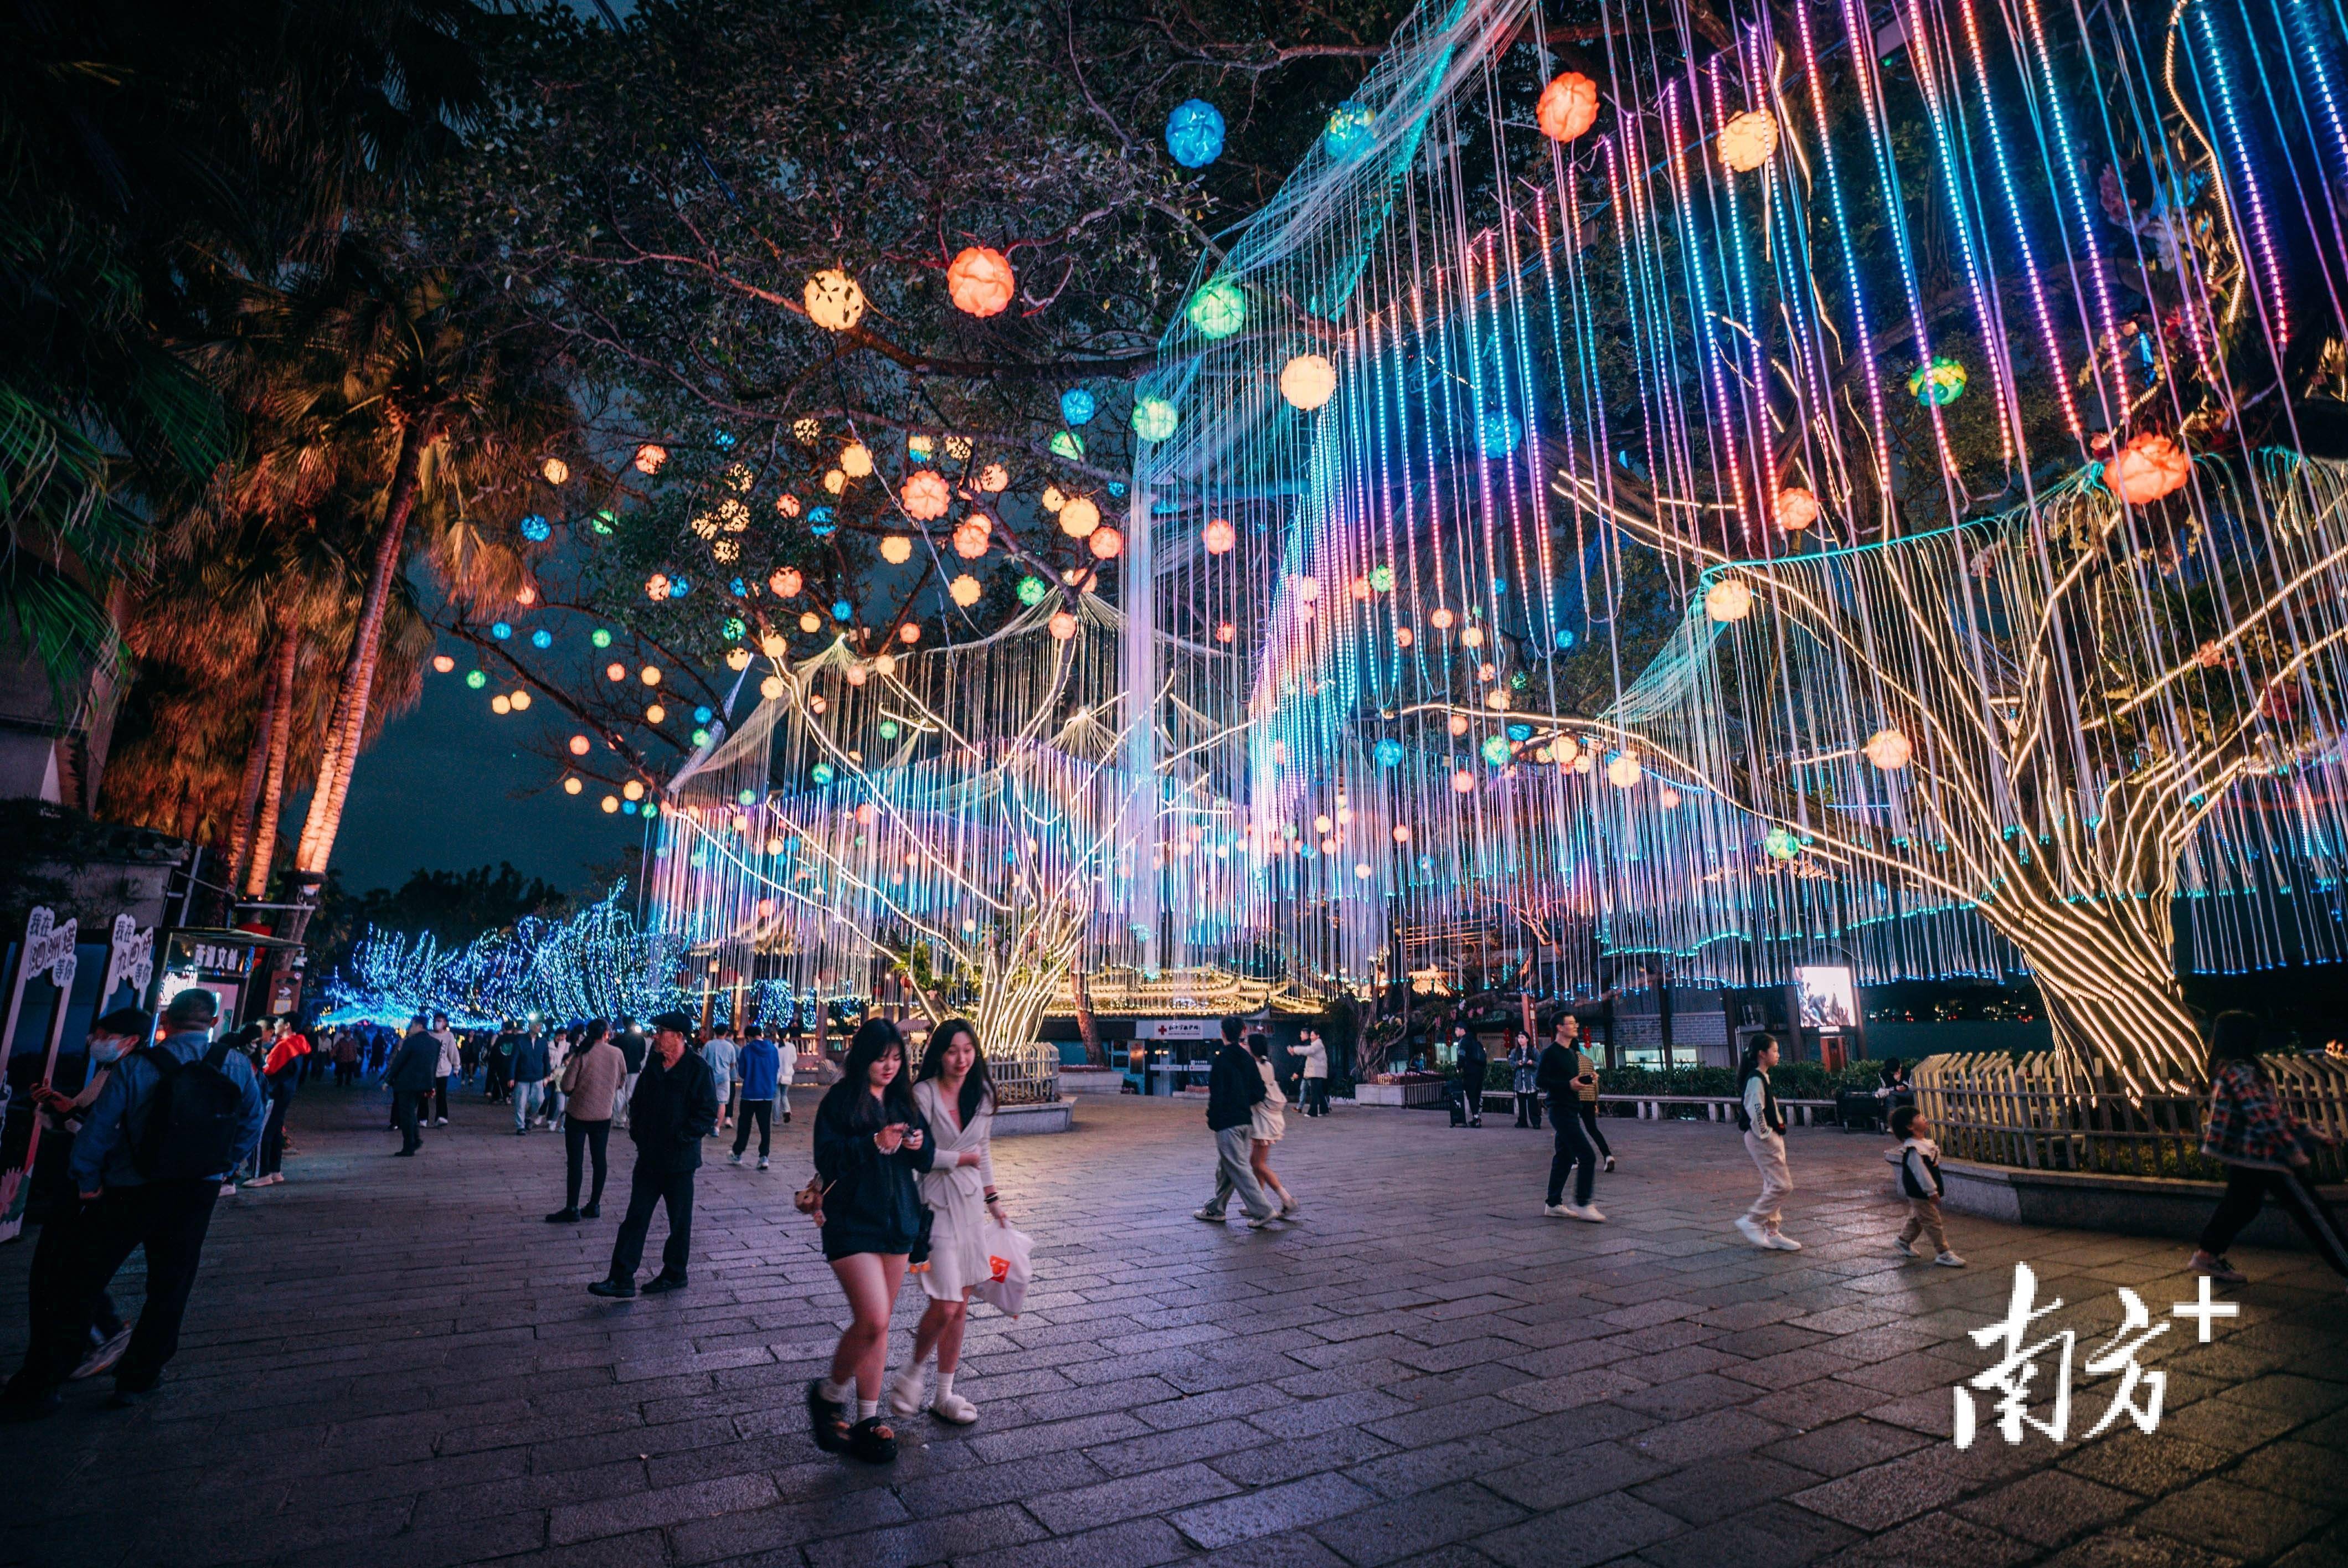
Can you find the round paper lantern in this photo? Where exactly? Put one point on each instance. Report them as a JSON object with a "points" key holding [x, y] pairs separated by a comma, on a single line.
{"points": [[821, 522], [1226, 632], [855, 460], [579, 745], [1063, 625], [1078, 517], [650, 456], [1104, 543], [773, 646], [1077, 407], [444, 662], [1443, 619], [1728, 600], [2149, 467], [1668, 798], [1154, 418], [1389, 753], [1888, 750], [1052, 500], [896, 549], [925, 497], [1308, 381], [1499, 434], [1351, 130], [1218, 311], [1940, 384], [1781, 845], [1796, 509], [1623, 772], [572, 786], [1194, 133], [649, 675], [809, 620], [1498, 698], [1565, 749], [910, 632], [964, 590], [1463, 782], [1220, 537], [1067, 443], [970, 538], [980, 282], [885, 664], [994, 479], [536, 529], [787, 504], [771, 688], [1748, 142], [738, 660], [835, 480], [1033, 591], [1568, 107], [614, 672], [657, 586], [785, 582], [833, 301], [501, 704]]}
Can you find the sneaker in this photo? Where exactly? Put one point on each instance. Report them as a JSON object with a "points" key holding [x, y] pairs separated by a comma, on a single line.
{"points": [[443, 1122], [1950, 1260], [1212, 1216], [737, 1159], [1265, 1224], [1780, 1242], [762, 1161], [1750, 1229], [1610, 1165], [1903, 1248], [2217, 1268], [103, 1358], [1292, 1211], [1585, 1211], [1558, 1211]]}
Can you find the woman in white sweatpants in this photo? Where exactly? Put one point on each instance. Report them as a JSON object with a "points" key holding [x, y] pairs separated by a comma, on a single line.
{"points": [[1764, 1140]]}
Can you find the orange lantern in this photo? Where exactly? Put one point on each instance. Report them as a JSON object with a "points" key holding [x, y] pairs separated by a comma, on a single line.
{"points": [[1568, 107], [1220, 537], [785, 582], [2149, 467], [971, 537], [1796, 509], [1063, 625], [926, 496], [650, 456], [1749, 140], [1106, 543], [980, 282]]}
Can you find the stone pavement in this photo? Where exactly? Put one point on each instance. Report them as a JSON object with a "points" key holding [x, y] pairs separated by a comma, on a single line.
{"points": [[397, 1364]]}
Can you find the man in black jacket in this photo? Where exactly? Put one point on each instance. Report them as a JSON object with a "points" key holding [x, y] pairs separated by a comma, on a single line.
{"points": [[413, 1067], [674, 1108], [1560, 1074], [1474, 1068], [1234, 1084]]}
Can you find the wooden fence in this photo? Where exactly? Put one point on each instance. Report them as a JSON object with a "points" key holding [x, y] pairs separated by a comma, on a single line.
{"points": [[2041, 1115]]}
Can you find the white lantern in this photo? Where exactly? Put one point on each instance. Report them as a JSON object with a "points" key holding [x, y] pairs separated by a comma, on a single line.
{"points": [[1888, 750], [1308, 381], [1623, 771], [1728, 601]]}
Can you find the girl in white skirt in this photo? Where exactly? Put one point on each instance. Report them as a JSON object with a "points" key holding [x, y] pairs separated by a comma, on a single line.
{"points": [[956, 1098], [1271, 1125]]}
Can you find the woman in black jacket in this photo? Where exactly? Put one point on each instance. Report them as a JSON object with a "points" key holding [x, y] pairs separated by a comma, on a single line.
{"points": [[869, 1143]]}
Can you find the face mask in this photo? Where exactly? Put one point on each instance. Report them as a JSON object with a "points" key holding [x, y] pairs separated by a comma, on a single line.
{"points": [[107, 1050]]}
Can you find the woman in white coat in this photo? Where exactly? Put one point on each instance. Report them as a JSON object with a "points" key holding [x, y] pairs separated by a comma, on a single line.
{"points": [[956, 1098]]}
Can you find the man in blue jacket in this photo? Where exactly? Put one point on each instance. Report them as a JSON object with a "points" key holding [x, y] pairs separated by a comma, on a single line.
{"points": [[531, 1071], [759, 1066], [130, 1200]]}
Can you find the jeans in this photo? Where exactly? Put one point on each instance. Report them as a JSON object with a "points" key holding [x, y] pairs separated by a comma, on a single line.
{"points": [[579, 1139], [1572, 1152], [272, 1131], [648, 1189], [2247, 1188], [170, 1220], [529, 1098], [1233, 1172], [762, 1111], [1776, 1181], [440, 1097]]}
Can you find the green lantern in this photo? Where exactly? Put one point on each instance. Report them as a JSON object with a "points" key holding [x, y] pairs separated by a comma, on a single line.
{"points": [[1381, 579], [1154, 419], [1781, 845], [1032, 590], [1219, 310], [476, 678], [1067, 443], [1938, 384]]}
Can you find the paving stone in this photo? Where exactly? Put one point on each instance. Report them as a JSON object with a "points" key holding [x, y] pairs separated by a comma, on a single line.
{"points": [[1286, 1507], [2234, 1520], [1376, 1536], [1595, 1531], [2049, 1507]]}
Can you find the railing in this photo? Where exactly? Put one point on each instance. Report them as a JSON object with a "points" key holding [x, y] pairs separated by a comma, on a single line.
{"points": [[1025, 1075], [2040, 1114]]}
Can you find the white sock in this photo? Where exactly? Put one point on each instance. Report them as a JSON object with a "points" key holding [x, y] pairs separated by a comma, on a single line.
{"points": [[832, 1391], [867, 1409], [946, 1387]]}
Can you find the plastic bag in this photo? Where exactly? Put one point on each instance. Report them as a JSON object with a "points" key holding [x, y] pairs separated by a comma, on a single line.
{"points": [[1006, 1287]]}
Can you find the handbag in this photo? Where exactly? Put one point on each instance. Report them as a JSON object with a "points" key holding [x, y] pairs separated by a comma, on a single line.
{"points": [[1009, 1270], [809, 1200]]}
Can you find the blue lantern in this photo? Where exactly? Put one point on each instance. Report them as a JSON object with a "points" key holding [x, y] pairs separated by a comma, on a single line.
{"points": [[746, 797], [541, 637], [725, 441], [535, 528], [702, 715], [501, 630], [1499, 433], [1194, 133], [678, 587], [1389, 753], [820, 522], [739, 588], [820, 773], [1565, 638], [1077, 407], [1520, 732], [1351, 129], [841, 609]]}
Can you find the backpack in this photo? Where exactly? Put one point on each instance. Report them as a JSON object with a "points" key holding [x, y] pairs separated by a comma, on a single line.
{"points": [[192, 1120]]}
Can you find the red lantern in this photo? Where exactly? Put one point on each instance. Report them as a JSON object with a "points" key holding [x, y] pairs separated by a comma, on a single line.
{"points": [[2149, 467], [1568, 107], [980, 282]]}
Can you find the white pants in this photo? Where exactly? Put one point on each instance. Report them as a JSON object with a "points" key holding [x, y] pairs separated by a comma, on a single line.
{"points": [[1769, 1152]]}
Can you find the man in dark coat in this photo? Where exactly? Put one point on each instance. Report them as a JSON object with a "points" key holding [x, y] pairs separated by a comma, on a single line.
{"points": [[1474, 1068], [1234, 1084], [413, 1067], [674, 1108]]}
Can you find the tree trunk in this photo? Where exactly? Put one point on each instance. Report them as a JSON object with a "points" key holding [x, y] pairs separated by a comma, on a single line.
{"points": [[279, 726], [248, 794], [2110, 989], [325, 818]]}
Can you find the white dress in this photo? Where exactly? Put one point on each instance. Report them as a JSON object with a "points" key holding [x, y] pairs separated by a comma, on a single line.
{"points": [[1270, 1122], [955, 1195]]}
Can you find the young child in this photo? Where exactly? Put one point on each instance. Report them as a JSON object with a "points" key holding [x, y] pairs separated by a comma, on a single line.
{"points": [[1920, 1178]]}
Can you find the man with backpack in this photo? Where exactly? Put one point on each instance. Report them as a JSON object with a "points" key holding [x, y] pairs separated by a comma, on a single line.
{"points": [[173, 1119]]}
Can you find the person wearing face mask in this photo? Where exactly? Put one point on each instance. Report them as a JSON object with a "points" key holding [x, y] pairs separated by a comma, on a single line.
{"points": [[65, 1232]]}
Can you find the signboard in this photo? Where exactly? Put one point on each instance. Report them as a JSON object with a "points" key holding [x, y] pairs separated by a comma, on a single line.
{"points": [[1149, 1028], [49, 949], [1829, 999]]}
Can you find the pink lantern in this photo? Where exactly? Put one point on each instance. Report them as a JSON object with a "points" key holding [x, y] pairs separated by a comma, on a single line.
{"points": [[2149, 467], [1796, 509]]}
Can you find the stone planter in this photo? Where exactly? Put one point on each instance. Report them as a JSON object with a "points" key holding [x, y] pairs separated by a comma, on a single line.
{"points": [[1398, 1094], [2128, 1205], [1091, 1081], [1051, 1116]]}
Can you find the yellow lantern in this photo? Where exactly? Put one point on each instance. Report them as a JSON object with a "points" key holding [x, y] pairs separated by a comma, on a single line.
{"points": [[964, 590], [650, 675], [521, 702], [771, 688], [444, 662], [773, 646], [1052, 499], [856, 459], [884, 664], [1888, 750], [1749, 140], [970, 539], [896, 549], [500, 704], [611, 803], [572, 786], [1565, 749], [556, 471], [1497, 698], [1623, 772], [980, 282], [1727, 600], [1063, 625], [738, 660], [1308, 381], [835, 480], [994, 479], [926, 497], [1568, 107], [834, 303], [809, 620], [650, 456], [1078, 517]]}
